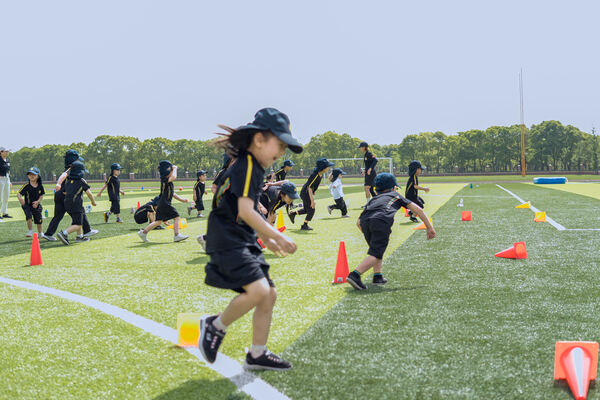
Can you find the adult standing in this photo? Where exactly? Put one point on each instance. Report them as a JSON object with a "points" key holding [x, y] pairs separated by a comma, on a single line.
{"points": [[370, 161], [4, 182]]}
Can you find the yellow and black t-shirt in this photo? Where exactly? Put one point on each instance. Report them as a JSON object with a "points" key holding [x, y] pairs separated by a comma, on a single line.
{"points": [[30, 193], [226, 230], [411, 192], [166, 191], [280, 175], [370, 161], [199, 188], [74, 189], [384, 206], [113, 186], [313, 182]]}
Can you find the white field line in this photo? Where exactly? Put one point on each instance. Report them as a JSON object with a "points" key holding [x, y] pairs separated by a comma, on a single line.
{"points": [[227, 367], [548, 219]]}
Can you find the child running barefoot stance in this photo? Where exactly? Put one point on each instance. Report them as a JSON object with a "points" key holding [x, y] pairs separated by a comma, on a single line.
{"points": [[165, 211], [30, 196], [376, 222], [236, 260]]}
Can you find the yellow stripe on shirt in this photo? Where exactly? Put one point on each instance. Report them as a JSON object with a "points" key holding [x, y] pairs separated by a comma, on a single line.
{"points": [[248, 177], [313, 181]]}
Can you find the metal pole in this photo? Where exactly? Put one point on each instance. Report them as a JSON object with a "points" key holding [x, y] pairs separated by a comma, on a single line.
{"points": [[523, 165]]}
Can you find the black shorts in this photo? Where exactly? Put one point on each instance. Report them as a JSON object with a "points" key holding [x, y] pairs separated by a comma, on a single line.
{"points": [[377, 234], [165, 212], [370, 178], [199, 205], [141, 217], [115, 206], [76, 217], [235, 268], [417, 200], [33, 213]]}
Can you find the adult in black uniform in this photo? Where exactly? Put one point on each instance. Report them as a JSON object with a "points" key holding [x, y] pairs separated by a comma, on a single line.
{"points": [[307, 194], [370, 161], [4, 182]]}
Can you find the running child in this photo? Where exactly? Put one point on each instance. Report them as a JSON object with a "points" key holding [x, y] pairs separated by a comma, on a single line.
{"points": [[337, 192], [276, 197], [280, 175], [307, 194], [370, 161], [236, 260], [30, 196], [164, 210], [199, 190], [75, 186], [113, 186], [412, 187], [59, 202], [376, 222]]}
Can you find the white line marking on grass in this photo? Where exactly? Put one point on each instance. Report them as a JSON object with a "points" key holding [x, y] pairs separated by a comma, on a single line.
{"points": [[229, 368], [548, 219]]}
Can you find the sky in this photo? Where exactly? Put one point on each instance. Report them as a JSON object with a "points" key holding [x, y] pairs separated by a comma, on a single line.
{"points": [[377, 70]]}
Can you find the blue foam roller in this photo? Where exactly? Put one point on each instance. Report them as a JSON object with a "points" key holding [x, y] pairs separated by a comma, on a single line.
{"points": [[542, 181]]}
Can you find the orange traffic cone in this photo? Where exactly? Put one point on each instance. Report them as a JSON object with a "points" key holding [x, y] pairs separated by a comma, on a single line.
{"points": [[540, 216], [36, 253], [518, 251], [138, 205], [467, 215], [422, 225], [406, 214], [577, 362], [281, 229], [341, 267], [260, 243]]}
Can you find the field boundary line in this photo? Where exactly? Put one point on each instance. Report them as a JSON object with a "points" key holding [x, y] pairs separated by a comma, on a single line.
{"points": [[548, 219], [225, 366]]}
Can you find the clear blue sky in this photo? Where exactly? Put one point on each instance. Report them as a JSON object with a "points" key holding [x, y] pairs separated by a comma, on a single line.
{"points": [[378, 70]]}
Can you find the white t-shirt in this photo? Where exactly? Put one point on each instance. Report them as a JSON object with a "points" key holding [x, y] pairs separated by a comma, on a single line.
{"points": [[336, 189]]}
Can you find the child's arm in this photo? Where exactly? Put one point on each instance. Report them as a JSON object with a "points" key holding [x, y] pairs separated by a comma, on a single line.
{"points": [[418, 187], [101, 190], [181, 199], [60, 180], [21, 199], [194, 197], [91, 197], [278, 183], [173, 175], [271, 237], [36, 203], [312, 197], [122, 192], [419, 211]]}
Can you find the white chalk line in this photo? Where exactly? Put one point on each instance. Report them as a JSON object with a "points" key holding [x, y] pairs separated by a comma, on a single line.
{"points": [[225, 366], [548, 219]]}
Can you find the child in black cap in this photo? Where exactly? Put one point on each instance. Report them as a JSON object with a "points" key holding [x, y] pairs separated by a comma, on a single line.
{"points": [[276, 197], [165, 211], [412, 187], [376, 222], [337, 192], [307, 194], [75, 186], [147, 212], [30, 196], [370, 161], [199, 190], [113, 186], [280, 175], [236, 260], [59, 203]]}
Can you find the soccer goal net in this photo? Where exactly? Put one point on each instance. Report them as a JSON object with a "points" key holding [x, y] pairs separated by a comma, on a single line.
{"points": [[355, 166]]}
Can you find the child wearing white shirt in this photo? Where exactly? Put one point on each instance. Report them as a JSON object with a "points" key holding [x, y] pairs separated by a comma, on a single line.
{"points": [[335, 188]]}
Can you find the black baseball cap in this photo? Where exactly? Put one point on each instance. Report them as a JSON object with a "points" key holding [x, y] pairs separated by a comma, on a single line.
{"points": [[77, 170], [288, 163], [363, 144], [164, 168], [33, 170], [413, 166], [337, 172], [273, 120], [155, 200], [385, 181], [290, 189], [323, 163], [71, 156], [115, 166], [200, 173]]}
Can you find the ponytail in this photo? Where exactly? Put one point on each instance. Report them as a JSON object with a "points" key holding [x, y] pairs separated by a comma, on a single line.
{"points": [[236, 141]]}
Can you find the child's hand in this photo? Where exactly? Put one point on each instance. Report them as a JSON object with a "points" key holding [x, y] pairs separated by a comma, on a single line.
{"points": [[426, 189], [358, 224], [57, 188], [281, 245], [35, 204], [94, 203], [22, 202], [185, 200], [99, 194], [312, 203], [430, 233], [123, 193]]}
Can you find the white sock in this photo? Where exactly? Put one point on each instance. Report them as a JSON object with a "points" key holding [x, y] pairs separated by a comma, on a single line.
{"points": [[257, 351], [219, 324]]}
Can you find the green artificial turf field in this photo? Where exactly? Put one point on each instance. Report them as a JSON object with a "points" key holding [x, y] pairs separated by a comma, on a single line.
{"points": [[453, 322]]}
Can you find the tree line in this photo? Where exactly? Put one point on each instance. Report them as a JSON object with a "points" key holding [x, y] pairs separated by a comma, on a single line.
{"points": [[550, 146]]}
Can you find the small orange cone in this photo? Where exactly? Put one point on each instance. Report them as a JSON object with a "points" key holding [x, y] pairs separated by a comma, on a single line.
{"points": [[518, 251], [577, 362], [138, 205], [524, 205], [406, 214], [422, 225], [188, 327], [281, 229], [280, 223], [467, 215], [36, 253], [341, 267], [260, 243], [540, 216]]}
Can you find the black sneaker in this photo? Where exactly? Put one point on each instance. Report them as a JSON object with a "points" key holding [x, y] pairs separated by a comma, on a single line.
{"points": [[80, 239], [268, 361], [379, 280], [159, 228], [329, 209], [210, 338], [413, 219], [6, 216], [63, 238], [292, 216], [305, 227], [105, 217], [119, 221], [354, 279]]}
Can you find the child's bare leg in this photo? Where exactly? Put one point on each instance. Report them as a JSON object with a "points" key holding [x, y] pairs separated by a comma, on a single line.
{"points": [[261, 320], [176, 226], [73, 228], [29, 225], [368, 192], [39, 226], [377, 266], [80, 231], [256, 292], [152, 226], [367, 263]]}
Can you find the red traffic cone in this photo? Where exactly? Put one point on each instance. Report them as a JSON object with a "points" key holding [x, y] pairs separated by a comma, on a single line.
{"points": [[260, 243], [467, 215], [341, 267], [281, 229], [36, 253], [577, 362], [518, 251], [406, 214], [138, 205]]}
